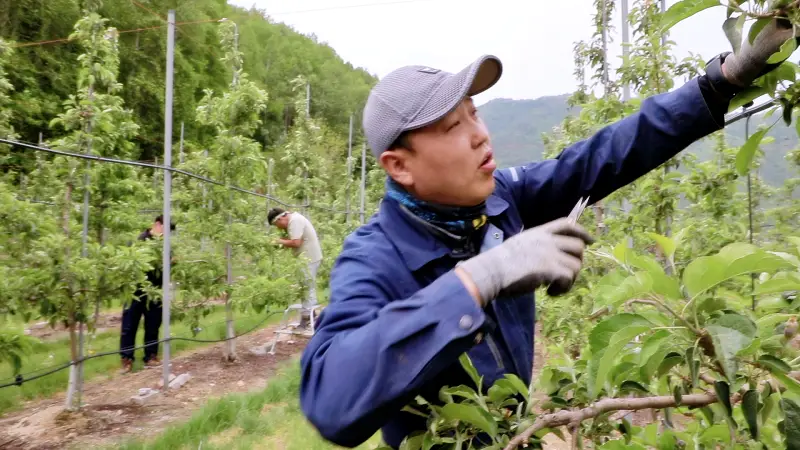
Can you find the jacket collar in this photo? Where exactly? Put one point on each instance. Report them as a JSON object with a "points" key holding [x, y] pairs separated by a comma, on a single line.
{"points": [[415, 242]]}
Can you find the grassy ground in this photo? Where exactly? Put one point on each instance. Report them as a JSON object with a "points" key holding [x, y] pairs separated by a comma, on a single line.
{"points": [[51, 353], [265, 420]]}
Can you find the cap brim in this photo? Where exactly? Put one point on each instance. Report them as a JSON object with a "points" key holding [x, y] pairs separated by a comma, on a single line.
{"points": [[474, 79]]}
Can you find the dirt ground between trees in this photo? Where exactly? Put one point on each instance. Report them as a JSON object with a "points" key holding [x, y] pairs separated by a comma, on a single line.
{"points": [[109, 415]]}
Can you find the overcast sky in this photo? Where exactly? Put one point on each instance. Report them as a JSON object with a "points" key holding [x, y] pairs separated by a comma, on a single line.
{"points": [[533, 38]]}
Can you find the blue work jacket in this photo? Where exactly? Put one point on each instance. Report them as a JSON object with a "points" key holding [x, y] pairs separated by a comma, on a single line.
{"points": [[399, 317]]}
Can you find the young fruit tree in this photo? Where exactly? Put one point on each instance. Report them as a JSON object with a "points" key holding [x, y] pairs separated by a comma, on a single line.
{"points": [[80, 263], [235, 159]]}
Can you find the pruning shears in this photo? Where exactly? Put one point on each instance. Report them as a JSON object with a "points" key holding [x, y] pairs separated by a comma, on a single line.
{"points": [[577, 210]]}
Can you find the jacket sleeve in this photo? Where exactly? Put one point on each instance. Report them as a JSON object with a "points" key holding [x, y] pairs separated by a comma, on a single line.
{"points": [[616, 155], [372, 350]]}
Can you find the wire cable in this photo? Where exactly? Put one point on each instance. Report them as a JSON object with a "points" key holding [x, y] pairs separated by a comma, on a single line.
{"points": [[160, 167], [132, 30], [20, 379], [125, 349]]}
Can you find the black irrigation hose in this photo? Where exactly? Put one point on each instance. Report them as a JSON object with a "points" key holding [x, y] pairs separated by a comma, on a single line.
{"points": [[207, 326], [19, 379], [160, 167]]}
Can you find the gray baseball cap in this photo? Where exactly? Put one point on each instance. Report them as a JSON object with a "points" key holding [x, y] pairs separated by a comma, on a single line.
{"points": [[413, 97]]}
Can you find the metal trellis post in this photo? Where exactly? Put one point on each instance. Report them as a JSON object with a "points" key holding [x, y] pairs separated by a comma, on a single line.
{"points": [[349, 171], [167, 250], [363, 179]]}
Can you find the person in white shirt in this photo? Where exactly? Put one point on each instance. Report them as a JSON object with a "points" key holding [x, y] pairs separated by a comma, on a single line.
{"points": [[305, 243]]}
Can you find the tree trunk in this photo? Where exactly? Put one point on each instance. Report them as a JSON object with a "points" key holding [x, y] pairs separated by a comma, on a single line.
{"points": [[230, 333], [69, 404]]}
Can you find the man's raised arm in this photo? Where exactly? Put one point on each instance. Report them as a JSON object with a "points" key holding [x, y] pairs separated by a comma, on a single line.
{"points": [[623, 151]]}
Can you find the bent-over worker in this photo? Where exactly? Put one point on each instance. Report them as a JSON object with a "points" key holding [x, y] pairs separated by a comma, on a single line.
{"points": [[305, 243]]}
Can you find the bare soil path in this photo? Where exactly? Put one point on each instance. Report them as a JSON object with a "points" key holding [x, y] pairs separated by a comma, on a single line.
{"points": [[109, 414]]}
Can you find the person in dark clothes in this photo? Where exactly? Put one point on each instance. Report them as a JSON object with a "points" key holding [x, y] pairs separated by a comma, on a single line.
{"points": [[140, 306]]}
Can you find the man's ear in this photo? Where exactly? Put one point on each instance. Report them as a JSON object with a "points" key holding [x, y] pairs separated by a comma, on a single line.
{"points": [[396, 164]]}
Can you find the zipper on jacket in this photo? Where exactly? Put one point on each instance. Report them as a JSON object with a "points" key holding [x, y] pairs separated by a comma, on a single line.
{"points": [[495, 352]]}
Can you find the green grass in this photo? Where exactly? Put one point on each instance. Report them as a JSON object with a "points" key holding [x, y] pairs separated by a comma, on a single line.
{"points": [[268, 419], [49, 353]]}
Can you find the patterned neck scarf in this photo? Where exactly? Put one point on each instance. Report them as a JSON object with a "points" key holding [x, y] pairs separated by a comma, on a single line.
{"points": [[460, 221]]}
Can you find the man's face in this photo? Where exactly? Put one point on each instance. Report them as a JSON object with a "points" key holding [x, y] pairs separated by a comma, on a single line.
{"points": [[158, 228], [450, 162], [283, 222]]}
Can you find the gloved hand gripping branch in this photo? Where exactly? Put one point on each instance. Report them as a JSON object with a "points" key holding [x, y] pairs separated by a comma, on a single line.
{"points": [[550, 254]]}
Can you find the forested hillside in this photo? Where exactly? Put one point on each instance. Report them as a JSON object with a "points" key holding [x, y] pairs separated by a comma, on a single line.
{"points": [[517, 126], [42, 71]]}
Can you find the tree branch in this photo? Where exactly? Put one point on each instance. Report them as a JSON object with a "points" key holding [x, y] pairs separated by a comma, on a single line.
{"points": [[574, 418], [654, 302]]}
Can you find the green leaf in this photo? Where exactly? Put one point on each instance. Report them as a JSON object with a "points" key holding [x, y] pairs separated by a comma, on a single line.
{"points": [[786, 50], [708, 414], [632, 286], [746, 96], [787, 71], [606, 341], [466, 363], [682, 10], [766, 325], [654, 349], [666, 244], [744, 158], [723, 391], [733, 31], [630, 385], [791, 423], [620, 444], [428, 442], [756, 28], [413, 442], [497, 394], [797, 127], [733, 260], [670, 361], [715, 433], [676, 393], [460, 391], [730, 333], [770, 402], [517, 385], [774, 364], [667, 439], [472, 414], [694, 366], [750, 410], [732, 4], [791, 384], [780, 282]]}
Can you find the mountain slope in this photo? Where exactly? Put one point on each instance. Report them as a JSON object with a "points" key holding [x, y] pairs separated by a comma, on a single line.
{"points": [[516, 127]]}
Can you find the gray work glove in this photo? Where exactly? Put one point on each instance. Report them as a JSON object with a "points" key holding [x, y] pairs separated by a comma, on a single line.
{"points": [[550, 254], [750, 62]]}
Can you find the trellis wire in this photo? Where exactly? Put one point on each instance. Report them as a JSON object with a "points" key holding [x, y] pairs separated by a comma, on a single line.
{"points": [[170, 169]]}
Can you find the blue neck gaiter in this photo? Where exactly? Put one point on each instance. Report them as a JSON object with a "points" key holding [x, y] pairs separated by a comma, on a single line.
{"points": [[461, 221]]}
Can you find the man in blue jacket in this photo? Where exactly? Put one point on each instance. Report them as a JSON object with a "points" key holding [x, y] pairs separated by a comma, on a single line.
{"points": [[450, 262]]}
